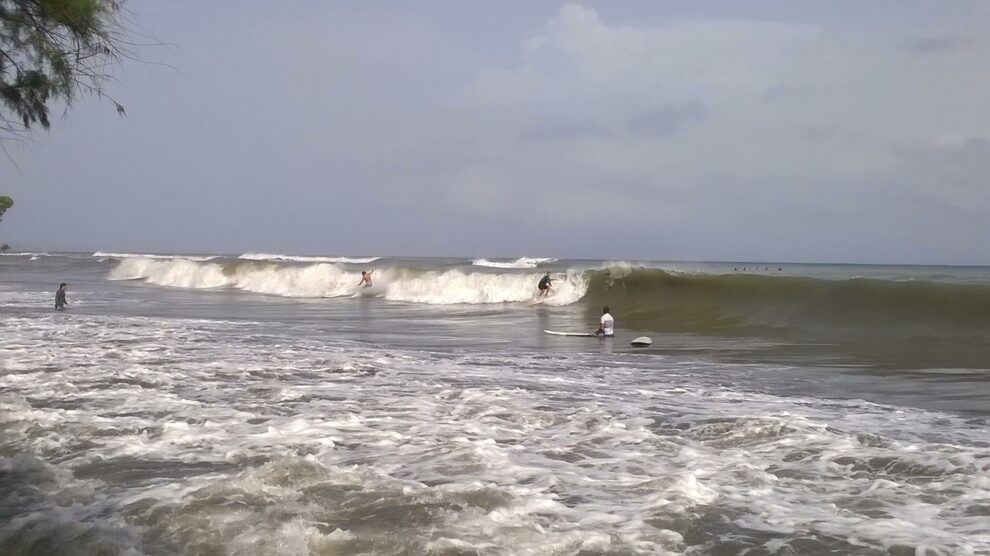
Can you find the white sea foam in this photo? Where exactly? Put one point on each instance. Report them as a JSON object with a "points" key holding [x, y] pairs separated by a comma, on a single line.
{"points": [[331, 280], [179, 273], [454, 286], [32, 255], [102, 254], [321, 280], [318, 280], [304, 259], [522, 262], [29, 299], [184, 434]]}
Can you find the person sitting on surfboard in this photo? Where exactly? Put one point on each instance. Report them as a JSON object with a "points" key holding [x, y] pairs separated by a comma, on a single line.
{"points": [[544, 286], [366, 278], [607, 326]]}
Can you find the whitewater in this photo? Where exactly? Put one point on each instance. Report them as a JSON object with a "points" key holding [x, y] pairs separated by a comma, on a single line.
{"points": [[323, 279], [266, 404]]}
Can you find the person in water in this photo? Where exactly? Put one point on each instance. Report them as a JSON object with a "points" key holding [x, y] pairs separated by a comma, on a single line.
{"points": [[60, 298], [607, 325], [365, 278], [544, 286]]}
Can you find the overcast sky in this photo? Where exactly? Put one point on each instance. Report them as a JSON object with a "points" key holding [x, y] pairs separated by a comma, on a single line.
{"points": [[827, 131]]}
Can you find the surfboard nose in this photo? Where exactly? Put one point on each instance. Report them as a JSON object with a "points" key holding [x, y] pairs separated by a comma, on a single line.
{"points": [[642, 341]]}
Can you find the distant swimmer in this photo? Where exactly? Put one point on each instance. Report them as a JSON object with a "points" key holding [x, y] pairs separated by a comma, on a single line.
{"points": [[607, 326], [544, 286], [60, 298], [365, 278]]}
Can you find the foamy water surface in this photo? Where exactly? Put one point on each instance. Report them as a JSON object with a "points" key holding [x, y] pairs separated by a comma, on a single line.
{"points": [[136, 423]]}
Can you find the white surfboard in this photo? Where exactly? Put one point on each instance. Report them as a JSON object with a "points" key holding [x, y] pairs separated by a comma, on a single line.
{"points": [[539, 299], [555, 333]]}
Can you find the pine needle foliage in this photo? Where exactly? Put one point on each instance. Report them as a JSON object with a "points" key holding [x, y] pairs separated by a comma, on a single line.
{"points": [[51, 51]]}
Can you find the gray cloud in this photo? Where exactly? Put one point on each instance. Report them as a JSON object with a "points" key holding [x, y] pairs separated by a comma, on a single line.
{"points": [[668, 118], [567, 130], [953, 174], [934, 45], [685, 131], [968, 159]]}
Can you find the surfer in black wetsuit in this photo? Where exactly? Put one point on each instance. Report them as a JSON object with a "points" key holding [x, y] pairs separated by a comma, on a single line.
{"points": [[60, 298], [544, 286]]}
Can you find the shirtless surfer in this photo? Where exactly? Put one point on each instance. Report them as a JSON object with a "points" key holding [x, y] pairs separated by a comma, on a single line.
{"points": [[365, 278]]}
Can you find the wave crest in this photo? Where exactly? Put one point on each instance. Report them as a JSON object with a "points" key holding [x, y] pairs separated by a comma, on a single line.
{"points": [[102, 254], [455, 286], [332, 280], [521, 262], [177, 273], [303, 259]]}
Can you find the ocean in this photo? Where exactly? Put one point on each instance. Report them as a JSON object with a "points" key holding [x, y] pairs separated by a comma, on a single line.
{"points": [[265, 404]]}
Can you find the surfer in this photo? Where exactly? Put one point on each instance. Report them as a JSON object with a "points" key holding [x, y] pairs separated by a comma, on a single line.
{"points": [[544, 286], [365, 278], [607, 326], [60, 298]]}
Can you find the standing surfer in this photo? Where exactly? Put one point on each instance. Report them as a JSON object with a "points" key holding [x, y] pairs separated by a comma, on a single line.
{"points": [[60, 298], [365, 278], [607, 325], [544, 286]]}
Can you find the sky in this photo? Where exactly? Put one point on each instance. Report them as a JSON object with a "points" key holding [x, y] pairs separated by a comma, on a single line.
{"points": [[820, 131]]}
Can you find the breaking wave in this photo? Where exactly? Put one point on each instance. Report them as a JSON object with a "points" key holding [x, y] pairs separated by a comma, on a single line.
{"points": [[454, 286], [439, 287], [24, 254], [920, 322], [31, 256], [102, 254], [302, 259], [521, 262]]}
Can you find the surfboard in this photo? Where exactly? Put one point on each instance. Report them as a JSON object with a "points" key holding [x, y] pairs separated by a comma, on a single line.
{"points": [[582, 334]]}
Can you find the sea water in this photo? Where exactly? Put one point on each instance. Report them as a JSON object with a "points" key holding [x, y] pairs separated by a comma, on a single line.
{"points": [[264, 404]]}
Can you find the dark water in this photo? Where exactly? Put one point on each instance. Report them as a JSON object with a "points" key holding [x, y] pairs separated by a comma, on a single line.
{"points": [[232, 406]]}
